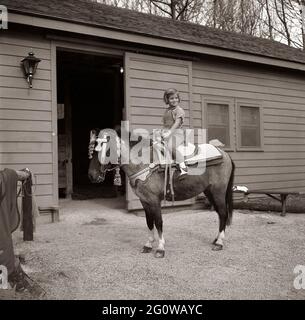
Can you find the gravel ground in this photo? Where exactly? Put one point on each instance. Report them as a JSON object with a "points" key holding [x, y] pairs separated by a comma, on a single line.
{"points": [[94, 253]]}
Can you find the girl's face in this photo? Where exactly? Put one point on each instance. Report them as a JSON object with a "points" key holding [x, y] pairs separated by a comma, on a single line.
{"points": [[173, 100]]}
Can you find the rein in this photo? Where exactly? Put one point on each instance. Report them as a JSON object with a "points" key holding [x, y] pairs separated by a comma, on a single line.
{"points": [[135, 175], [111, 169], [168, 177], [117, 181]]}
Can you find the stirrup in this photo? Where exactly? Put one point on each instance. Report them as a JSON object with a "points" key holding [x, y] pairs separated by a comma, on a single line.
{"points": [[183, 171]]}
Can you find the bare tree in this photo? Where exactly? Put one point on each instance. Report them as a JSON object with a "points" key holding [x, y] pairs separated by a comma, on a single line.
{"points": [[270, 20], [281, 11], [184, 10], [222, 14], [247, 16], [301, 4], [235, 15], [279, 20]]}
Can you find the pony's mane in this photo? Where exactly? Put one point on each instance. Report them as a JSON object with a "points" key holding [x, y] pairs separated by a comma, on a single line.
{"points": [[132, 142]]}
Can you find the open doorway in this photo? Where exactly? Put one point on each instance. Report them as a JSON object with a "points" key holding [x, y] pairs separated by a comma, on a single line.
{"points": [[90, 94]]}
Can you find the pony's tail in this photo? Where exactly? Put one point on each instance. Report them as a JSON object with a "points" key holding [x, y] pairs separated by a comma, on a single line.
{"points": [[229, 196]]}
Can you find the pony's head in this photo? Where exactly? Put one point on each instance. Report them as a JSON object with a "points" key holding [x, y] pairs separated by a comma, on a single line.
{"points": [[104, 153]]}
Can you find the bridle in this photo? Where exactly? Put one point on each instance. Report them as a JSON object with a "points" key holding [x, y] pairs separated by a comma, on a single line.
{"points": [[101, 148]]}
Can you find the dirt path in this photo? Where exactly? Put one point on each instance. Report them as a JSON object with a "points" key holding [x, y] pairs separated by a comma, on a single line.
{"points": [[94, 253]]}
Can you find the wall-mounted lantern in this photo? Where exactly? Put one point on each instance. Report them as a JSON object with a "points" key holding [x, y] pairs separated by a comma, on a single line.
{"points": [[29, 65]]}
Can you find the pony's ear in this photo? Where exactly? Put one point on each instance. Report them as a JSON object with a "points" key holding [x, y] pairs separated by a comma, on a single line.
{"points": [[93, 137], [96, 130]]}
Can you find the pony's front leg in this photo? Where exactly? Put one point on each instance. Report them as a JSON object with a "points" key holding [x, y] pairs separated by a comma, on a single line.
{"points": [[147, 248], [218, 242], [149, 244], [160, 252], [154, 217]]}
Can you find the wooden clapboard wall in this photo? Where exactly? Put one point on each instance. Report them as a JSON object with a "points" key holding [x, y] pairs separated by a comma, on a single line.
{"points": [[147, 77], [281, 163], [25, 114]]}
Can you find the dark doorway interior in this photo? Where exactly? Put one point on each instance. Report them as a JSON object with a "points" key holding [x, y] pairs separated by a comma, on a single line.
{"points": [[90, 91]]}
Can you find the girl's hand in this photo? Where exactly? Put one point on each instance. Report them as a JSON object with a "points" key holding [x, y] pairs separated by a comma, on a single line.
{"points": [[166, 135]]}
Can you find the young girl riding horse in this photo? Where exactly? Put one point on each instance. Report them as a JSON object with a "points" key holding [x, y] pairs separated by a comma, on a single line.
{"points": [[173, 119]]}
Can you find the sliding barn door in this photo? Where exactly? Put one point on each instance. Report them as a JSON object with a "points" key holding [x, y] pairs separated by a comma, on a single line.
{"points": [[146, 79]]}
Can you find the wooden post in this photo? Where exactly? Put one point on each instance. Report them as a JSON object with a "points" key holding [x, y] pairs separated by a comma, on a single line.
{"points": [[68, 134], [284, 202], [27, 211]]}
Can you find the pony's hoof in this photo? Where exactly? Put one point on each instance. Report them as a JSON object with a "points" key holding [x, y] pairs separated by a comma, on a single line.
{"points": [[214, 242], [146, 249], [159, 254], [217, 247]]}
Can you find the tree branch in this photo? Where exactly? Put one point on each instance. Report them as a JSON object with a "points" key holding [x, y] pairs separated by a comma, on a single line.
{"points": [[160, 8], [186, 4]]}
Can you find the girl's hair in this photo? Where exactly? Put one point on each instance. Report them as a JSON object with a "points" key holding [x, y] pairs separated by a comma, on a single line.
{"points": [[170, 92]]}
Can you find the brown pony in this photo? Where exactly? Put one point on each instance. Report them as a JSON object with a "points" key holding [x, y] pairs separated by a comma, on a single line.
{"points": [[216, 182]]}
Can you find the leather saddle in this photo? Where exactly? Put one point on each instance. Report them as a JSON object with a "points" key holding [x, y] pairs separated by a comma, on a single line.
{"points": [[162, 158], [193, 154]]}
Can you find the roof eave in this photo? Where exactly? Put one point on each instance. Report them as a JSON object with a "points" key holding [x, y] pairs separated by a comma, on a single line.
{"points": [[46, 22]]}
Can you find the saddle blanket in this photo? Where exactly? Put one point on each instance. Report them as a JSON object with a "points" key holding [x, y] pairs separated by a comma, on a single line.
{"points": [[203, 152]]}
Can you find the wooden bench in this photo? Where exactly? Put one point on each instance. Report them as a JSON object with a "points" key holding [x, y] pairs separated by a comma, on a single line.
{"points": [[282, 196], [53, 210]]}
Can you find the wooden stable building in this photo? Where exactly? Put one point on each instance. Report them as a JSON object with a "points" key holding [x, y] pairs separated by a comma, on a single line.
{"points": [[100, 65]]}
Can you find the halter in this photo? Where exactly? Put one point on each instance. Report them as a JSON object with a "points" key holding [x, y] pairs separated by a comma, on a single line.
{"points": [[101, 148]]}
